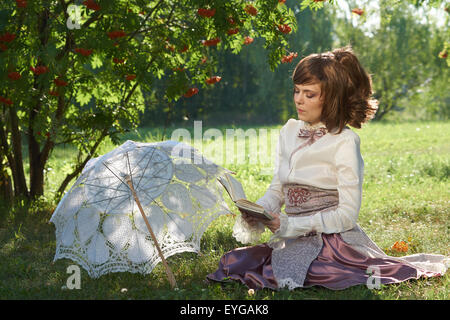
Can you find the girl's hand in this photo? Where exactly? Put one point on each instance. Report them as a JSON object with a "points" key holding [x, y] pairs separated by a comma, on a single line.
{"points": [[273, 224], [252, 221]]}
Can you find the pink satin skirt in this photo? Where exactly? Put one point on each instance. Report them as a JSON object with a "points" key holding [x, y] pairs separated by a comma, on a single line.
{"points": [[338, 266]]}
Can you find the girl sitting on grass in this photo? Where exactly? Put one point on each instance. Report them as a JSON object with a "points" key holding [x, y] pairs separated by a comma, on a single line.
{"points": [[318, 177]]}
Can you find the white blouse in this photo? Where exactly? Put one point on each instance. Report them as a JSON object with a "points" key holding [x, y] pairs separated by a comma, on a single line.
{"points": [[332, 162]]}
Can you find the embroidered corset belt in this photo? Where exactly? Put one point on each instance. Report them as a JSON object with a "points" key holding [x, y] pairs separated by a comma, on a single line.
{"points": [[307, 200]]}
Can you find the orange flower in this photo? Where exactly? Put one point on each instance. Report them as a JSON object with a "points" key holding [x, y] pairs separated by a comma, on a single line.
{"points": [[7, 37], [231, 20], [116, 34], [21, 3], [191, 92], [184, 49], [251, 10], [400, 246], [91, 4], [248, 40], [59, 82], [6, 101], [232, 31], [207, 13], [118, 61], [211, 42], [53, 93], [358, 11], [284, 28], [288, 58], [83, 52], [281, 1], [131, 77], [213, 79], [14, 75], [39, 70]]}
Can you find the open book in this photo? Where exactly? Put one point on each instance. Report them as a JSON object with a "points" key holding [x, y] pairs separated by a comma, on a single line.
{"points": [[237, 194]]}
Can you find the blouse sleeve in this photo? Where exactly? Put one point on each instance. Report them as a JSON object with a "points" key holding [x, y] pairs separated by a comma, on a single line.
{"points": [[349, 170], [271, 201]]}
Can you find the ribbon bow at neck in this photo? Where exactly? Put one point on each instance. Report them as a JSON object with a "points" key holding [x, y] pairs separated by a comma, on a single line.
{"points": [[313, 135]]}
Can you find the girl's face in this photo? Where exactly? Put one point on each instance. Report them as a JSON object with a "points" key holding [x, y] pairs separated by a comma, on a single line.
{"points": [[308, 102]]}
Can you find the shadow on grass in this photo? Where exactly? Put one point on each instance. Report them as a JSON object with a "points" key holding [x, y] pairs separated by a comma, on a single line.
{"points": [[438, 170]]}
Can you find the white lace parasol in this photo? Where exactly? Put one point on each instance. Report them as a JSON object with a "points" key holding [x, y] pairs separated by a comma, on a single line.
{"points": [[98, 222]]}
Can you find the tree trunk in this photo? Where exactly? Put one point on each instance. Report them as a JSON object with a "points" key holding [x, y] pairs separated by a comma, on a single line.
{"points": [[16, 162], [37, 159], [34, 152], [6, 192], [36, 177], [80, 166]]}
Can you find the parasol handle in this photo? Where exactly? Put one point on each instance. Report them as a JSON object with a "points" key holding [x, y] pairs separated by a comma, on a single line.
{"points": [[169, 273]]}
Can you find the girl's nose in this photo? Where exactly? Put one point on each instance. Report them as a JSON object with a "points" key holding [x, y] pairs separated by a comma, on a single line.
{"points": [[299, 98]]}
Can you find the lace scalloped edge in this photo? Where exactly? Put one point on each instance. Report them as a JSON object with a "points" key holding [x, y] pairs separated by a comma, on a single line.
{"points": [[289, 283], [146, 267]]}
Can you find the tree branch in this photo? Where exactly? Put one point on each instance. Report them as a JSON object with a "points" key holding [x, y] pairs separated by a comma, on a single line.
{"points": [[153, 56], [81, 165], [145, 19], [96, 16]]}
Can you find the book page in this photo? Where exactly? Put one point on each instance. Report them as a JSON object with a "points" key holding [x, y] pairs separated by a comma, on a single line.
{"points": [[236, 188], [244, 203], [253, 209], [227, 187]]}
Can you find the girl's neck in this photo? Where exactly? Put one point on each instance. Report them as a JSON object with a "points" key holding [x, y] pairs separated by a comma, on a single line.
{"points": [[311, 126]]}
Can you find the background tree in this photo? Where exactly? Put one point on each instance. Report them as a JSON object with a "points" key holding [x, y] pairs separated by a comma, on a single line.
{"points": [[402, 54]]}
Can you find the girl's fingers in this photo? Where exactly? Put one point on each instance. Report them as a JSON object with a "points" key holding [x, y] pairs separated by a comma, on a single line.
{"points": [[249, 219], [253, 221]]}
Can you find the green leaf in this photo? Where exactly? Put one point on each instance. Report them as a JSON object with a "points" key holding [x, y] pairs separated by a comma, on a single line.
{"points": [[83, 98], [96, 61]]}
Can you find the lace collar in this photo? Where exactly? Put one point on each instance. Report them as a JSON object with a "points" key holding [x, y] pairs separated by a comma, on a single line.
{"points": [[316, 126]]}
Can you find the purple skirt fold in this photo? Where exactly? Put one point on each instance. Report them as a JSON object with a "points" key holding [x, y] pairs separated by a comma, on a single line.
{"points": [[250, 265], [338, 266]]}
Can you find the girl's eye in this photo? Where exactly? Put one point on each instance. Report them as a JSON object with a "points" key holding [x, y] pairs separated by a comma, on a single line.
{"points": [[309, 96]]}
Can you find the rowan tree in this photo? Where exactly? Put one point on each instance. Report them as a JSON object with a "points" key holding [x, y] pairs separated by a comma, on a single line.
{"points": [[73, 72]]}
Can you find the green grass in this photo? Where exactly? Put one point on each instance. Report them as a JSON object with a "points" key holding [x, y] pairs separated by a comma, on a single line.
{"points": [[405, 197]]}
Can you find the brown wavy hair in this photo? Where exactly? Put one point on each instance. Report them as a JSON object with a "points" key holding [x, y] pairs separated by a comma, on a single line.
{"points": [[346, 86]]}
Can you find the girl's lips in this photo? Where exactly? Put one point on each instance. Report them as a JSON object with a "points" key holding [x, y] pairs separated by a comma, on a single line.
{"points": [[300, 110]]}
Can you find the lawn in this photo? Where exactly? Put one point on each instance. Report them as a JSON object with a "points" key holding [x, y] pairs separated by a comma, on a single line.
{"points": [[406, 196]]}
